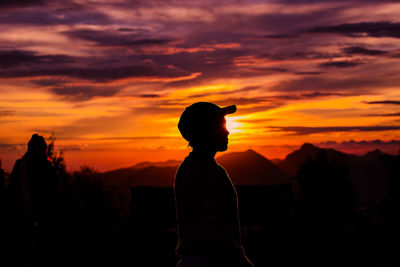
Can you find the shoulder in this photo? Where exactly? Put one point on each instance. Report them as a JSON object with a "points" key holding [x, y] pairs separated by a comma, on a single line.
{"points": [[191, 166], [221, 170], [16, 164], [186, 171], [195, 173]]}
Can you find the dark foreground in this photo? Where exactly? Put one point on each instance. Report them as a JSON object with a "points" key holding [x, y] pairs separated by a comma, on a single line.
{"points": [[318, 217]]}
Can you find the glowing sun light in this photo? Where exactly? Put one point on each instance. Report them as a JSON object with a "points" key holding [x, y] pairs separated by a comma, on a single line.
{"points": [[232, 125]]}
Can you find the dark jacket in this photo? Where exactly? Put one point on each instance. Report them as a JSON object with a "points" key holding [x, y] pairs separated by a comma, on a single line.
{"points": [[207, 210]]}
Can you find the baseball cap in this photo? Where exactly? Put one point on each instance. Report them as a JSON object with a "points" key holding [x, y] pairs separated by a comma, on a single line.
{"points": [[199, 116]]}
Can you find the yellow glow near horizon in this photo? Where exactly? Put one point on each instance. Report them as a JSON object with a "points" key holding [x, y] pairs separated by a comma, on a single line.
{"points": [[232, 125]]}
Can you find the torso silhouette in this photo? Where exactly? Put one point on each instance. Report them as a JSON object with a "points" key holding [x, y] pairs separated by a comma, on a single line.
{"points": [[207, 210], [34, 186], [2, 189]]}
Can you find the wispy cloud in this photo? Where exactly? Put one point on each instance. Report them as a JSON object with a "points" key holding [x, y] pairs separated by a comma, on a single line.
{"points": [[363, 29], [385, 115], [81, 93], [341, 64], [384, 102], [115, 38], [7, 112], [21, 3], [360, 50], [48, 66], [13, 58], [296, 130]]}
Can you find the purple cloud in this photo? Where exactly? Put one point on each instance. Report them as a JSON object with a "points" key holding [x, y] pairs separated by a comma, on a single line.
{"points": [[82, 93], [115, 38], [20, 3], [341, 64], [360, 50], [13, 58], [99, 74], [363, 29]]}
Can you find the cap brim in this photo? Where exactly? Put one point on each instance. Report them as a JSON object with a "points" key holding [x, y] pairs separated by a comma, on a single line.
{"points": [[229, 109]]}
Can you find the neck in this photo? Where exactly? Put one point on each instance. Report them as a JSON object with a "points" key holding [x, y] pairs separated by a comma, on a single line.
{"points": [[208, 153]]}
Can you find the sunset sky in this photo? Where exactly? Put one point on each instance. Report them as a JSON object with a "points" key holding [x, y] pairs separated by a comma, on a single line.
{"points": [[111, 78]]}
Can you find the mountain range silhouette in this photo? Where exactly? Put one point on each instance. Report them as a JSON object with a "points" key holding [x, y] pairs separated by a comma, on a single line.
{"points": [[368, 173], [251, 168], [244, 168]]}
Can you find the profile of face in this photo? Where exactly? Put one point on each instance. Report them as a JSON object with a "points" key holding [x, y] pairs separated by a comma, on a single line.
{"points": [[215, 137]]}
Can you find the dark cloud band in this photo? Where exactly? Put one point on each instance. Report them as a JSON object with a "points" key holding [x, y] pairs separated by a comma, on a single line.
{"points": [[295, 130], [389, 102], [364, 29]]}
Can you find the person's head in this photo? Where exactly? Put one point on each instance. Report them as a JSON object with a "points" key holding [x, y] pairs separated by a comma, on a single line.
{"points": [[203, 125], [37, 146]]}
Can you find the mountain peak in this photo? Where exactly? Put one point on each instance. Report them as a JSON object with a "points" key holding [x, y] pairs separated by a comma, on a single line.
{"points": [[244, 156], [253, 153], [308, 146], [251, 168], [145, 164], [375, 152], [292, 161]]}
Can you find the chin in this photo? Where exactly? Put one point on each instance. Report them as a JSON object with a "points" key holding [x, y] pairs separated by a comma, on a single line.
{"points": [[223, 147]]}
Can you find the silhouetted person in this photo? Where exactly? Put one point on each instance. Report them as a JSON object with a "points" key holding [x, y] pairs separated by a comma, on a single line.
{"points": [[2, 189], [206, 201], [32, 191], [3, 218]]}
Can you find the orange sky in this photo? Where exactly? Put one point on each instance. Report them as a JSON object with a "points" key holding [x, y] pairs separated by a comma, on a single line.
{"points": [[111, 79]]}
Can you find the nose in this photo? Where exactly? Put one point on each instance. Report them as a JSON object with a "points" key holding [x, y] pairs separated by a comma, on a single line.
{"points": [[226, 132]]}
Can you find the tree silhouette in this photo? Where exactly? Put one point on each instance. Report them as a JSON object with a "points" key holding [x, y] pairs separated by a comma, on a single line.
{"points": [[56, 158]]}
